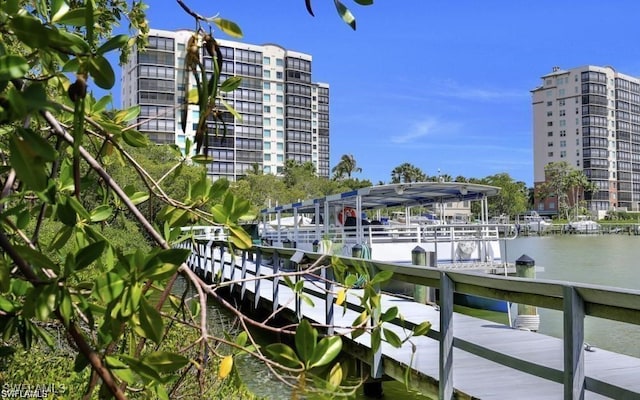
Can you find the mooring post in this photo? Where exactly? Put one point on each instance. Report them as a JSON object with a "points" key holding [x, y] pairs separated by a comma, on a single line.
{"points": [[527, 317], [315, 246], [419, 257], [356, 251], [286, 264]]}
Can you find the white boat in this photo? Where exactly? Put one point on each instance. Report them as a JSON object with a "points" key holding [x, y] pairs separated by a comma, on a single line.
{"points": [[583, 224], [533, 222], [355, 218]]}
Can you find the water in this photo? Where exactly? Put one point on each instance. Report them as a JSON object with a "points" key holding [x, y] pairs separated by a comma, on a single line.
{"points": [[608, 260]]}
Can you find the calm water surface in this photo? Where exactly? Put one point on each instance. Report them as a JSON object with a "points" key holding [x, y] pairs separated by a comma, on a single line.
{"points": [[609, 260]]}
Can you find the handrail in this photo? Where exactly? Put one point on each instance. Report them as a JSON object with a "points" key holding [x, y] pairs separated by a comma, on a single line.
{"points": [[575, 300]]}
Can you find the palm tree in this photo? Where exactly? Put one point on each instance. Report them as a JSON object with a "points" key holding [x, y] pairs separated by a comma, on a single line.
{"points": [[346, 166], [406, 172]]}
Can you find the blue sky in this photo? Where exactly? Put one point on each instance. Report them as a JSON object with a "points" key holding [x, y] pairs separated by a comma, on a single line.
{"points": [[443, 85]]}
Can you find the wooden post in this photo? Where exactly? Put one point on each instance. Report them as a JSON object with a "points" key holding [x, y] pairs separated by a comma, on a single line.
{"points": [[574, 377], [419, 257], [527, 317], [447, 290]]}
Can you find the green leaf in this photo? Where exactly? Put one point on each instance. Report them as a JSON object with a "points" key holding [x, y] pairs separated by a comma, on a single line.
{"points": [[66, 308], [164, 361], [58, 9], [305, 339], [151, 321], [283, 354], [392, 338], [36, 258], [75, 17], [134, 138], [422, 329], [364, 2], [241, 339], [108, 287], [30, 31], [101, 104], [228, 27], [89, 254], [382, 276], [115, 42], [345, 14], [29, 153], [101, 213], [101, 71], [326, 351], [127, 115], [79, 208], [13, 67], [389, 315], [231, 84]]}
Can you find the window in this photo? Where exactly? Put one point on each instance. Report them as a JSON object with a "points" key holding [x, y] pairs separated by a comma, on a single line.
{"points": [[279, 98], [549, 144], [279, 62], [550, 154], [549, 103], [266, 109], [279, 110], [267, 157], [549, 134], [280, 134], [561, 102], [550, 123], [279, 122], [266, 61], [279, 146], [266, 86], [563, 143], [266, 97], [280, 87], [266, 133], [549, 113], [267, 74], [279, 75], [562, 113], [266, 121], [279, 157], [266, 145]]}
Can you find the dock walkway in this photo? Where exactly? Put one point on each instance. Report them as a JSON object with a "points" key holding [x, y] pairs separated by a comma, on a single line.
{"points": [[487, 360]]}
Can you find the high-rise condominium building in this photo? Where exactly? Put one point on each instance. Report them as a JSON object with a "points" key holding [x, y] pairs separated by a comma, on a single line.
{"points": [[590, 118], [285, 116]]}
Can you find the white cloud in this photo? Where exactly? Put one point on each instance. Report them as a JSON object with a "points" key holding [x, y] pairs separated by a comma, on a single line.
{"points": [[430, 126], [451, 88]]}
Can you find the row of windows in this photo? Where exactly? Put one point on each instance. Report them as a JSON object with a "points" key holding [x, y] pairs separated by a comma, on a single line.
{"points": [[300, 158], [156, 57], [593, 76], [594, 110], [157, 84], [249, 83], [159, 125], [298, 64], [267, 61], [221, 154], [227, 52], [633, 97], [161, 138], [298, 89], [153, 111], [247, 94], [298, 101], [227, 66], [299, 136], [298, 113], [627, 85], [594, 88], [593, 99], [157, 98], [248, 144], [149, 71], [295, 147], [595, 131], [632, 107], [160, 43], [297, 76], [298, 124], [248, 131], [625, 116], [595, 153], [323, 108], [244, 106], [596, 173], [249, 56], [595, 142], [220, 168], [249, 70], [594, 121]]}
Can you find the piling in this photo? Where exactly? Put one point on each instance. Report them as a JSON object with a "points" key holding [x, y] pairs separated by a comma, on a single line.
{"points": [[287, 244], [315, 245], [527, 317], [356, 251], [423, 294]]}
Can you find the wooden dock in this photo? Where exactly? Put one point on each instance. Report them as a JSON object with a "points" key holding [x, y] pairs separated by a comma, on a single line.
{"points": [[462, 356]]}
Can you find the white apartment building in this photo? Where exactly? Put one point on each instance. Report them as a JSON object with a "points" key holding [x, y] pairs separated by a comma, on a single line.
{"points": [[285, 116], [590, 117]]}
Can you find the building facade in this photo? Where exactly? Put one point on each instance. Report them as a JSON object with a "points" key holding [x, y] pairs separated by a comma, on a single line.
{"points": [[284, 114], [590, 117]]}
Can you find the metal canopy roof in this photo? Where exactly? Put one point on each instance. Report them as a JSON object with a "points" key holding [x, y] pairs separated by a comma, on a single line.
{"points": [[400, 194]]}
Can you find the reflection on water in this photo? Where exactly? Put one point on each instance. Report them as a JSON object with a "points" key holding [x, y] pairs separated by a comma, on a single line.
{"points": [[609, 260]]}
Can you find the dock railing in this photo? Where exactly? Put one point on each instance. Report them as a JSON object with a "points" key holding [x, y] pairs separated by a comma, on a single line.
{"points": [[574, 300]]}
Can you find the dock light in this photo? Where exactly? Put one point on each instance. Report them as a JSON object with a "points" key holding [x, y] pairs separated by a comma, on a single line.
{"points": [[399, 189]]}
